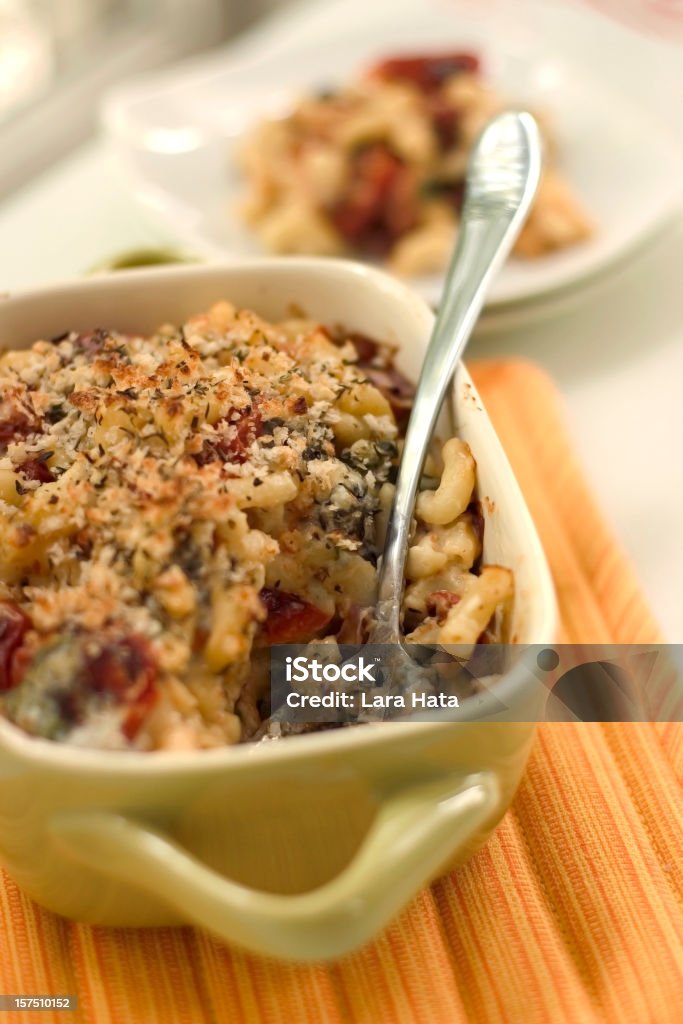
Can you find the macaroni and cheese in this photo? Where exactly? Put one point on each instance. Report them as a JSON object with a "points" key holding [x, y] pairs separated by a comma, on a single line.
{"points": [[171, 506], [377, 168]]}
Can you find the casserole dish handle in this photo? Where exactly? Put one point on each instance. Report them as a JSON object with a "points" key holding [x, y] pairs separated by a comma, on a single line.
{"points": [[413, 836]]}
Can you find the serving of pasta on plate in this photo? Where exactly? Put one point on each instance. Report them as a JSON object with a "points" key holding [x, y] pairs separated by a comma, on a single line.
{"points": [[376, 168], [172, 506]]}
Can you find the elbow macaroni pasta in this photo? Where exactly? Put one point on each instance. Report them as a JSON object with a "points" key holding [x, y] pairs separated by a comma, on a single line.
{"points": [[455, 490], [172, 506]]}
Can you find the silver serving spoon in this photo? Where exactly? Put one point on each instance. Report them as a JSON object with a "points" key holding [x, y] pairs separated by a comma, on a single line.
{"points": [[502, 178]]}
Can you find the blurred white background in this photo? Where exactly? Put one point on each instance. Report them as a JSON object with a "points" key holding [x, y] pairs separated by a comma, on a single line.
{"points": [[57, 57]]}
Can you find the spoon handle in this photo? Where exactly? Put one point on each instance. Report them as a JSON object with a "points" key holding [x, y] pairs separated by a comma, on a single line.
{"points": [[502, 178]]}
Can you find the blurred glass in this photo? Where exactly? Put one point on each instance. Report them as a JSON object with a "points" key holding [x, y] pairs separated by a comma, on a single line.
{"points": [[51, 43], [26, 55], [58, 58], [42, 41]]}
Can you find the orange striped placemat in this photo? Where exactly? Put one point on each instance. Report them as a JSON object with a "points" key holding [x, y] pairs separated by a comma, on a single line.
{"points": [[573, 912]]}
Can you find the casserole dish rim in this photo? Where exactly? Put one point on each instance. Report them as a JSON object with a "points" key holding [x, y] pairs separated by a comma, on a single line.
{"points": [[512, 686]]}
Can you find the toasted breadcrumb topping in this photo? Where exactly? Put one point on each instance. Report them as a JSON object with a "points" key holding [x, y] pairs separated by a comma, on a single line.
{"points": [[172, 506], [152, 491]]}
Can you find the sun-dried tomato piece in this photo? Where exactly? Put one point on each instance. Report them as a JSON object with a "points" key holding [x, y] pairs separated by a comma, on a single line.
{"points": [[400, 209], [380, 203], [207, 454], [427, 72], [15, 424], [397, 389], [21, 659], [377, 363], [90, 343], [245, 431], [440, 602], [13, 626], [298, 406], [290, 619], [126, 669], [14, 427], [232, 445], [138, 711], [445, 119], [372, 172], [367, 348], [37, 469]]}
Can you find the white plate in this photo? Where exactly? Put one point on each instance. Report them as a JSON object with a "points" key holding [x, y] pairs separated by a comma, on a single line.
{"points": [[175, 130]]}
